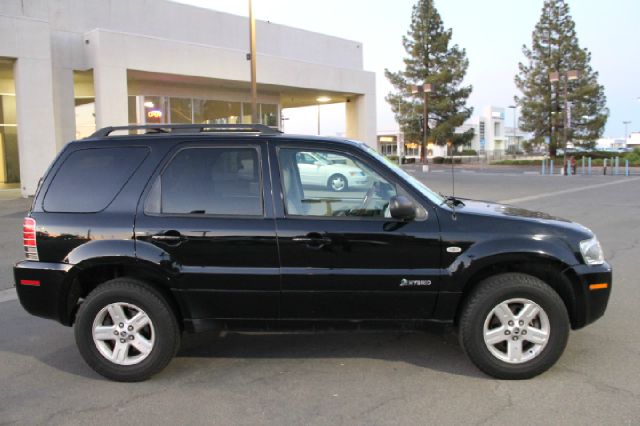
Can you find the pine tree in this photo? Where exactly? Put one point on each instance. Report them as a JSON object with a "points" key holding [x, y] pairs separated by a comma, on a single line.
{"points": [[555, 49], [431, 60]]}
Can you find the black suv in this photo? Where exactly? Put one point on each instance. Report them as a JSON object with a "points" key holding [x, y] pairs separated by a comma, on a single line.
{"points": [[135, 238]]}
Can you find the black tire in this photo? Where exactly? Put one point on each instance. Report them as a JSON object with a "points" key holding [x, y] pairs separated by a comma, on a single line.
{"points": [[166, 331], [331, 185], [505, 287]]}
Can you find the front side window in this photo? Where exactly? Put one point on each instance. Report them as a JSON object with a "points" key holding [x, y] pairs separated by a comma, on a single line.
{"points": [[209, 181], [328, 183]]}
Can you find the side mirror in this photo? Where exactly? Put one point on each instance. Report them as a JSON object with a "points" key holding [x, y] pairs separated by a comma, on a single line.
{"points": [[402, 208]]}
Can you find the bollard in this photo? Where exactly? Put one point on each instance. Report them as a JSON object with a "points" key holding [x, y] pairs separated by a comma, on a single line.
{"points": [[626, 167], [617, 171], [544, 163], [589, 166], [583, 166], [550, 167], [604, 168]]}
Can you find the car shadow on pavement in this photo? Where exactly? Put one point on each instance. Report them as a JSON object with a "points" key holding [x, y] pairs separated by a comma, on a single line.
{"points": [[54, 346], [435, 351]]}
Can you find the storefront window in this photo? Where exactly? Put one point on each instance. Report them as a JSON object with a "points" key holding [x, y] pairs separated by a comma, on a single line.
{"points": [[412, 150], [269, 114], [181, 110], [216, 112], [163, 109], [154, 109], [246, 113]]}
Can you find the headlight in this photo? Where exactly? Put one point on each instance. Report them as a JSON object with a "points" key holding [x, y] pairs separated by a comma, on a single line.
{"points": [[591, 251]]}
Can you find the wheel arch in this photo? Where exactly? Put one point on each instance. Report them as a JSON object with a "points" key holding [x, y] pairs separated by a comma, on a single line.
{"points": [[548, 269], [91, 273]]}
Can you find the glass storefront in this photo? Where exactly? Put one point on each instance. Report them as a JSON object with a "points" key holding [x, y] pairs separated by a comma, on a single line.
{"points": [[9, 158], [164, 109]]}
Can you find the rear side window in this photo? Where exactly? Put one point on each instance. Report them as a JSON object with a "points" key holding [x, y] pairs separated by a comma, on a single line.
{"points": [[89, 179], [209, 181]]}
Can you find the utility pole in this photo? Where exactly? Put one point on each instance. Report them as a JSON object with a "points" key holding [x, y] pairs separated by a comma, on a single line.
{"points": [[252, 56]]}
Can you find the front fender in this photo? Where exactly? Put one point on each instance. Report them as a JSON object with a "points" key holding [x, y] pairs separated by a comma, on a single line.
{"points": [[508, 250]]}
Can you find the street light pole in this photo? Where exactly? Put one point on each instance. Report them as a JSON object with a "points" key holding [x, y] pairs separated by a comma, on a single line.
{"points": [[626, 132], [515, 140], [556, 76], [425, 89], [252, 56]]}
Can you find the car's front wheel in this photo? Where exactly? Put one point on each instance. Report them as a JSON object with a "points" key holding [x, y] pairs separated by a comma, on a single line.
{"points": [[337, 182], [126, 331], [514, 326]]}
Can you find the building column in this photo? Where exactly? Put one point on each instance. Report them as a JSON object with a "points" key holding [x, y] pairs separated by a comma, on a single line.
{"points": [[36, 125], [361, 119], [110, 86], [63, 105]]}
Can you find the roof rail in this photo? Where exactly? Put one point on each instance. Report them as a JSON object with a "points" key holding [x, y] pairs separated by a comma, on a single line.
{"points": [[190, 128]]}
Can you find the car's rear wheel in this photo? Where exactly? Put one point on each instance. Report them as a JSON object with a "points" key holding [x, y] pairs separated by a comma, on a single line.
{"points": [[514, 326], [126, 331], [338, 183]]}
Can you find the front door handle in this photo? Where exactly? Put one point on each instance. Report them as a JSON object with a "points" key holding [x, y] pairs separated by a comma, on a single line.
{"points": [[313, 240]]}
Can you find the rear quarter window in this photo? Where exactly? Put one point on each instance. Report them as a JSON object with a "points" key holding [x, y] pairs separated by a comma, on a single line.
{"points": [[89, 179]]}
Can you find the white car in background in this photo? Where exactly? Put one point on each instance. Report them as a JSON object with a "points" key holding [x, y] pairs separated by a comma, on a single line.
{"points": [[317, 170]]}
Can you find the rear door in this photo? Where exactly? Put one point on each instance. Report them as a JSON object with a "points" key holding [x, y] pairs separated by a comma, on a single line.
{"points": [[207, 219], [342, 256]]}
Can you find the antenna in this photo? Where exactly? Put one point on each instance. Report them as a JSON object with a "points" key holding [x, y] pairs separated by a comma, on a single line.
{"points": [[453, 182]]}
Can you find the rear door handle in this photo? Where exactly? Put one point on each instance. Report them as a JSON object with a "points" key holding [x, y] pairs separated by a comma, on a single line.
{"points": [[169, 237]]}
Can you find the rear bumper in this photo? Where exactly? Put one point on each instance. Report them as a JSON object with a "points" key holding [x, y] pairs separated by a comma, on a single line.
{"points": [[39, 286], [592, 285]]}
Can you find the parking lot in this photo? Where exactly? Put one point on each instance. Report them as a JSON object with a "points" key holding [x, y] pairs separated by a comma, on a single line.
{"points": [[340, 378]]}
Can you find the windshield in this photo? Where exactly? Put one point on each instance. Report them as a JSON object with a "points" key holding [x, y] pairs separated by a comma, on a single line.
{"points": [[421, 187]]}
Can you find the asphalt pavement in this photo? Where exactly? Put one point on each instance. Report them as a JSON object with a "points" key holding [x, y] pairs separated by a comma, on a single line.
{"points": [[343, 378]]}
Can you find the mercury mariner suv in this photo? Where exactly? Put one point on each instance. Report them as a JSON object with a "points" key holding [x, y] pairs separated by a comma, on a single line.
{"points": [[140, 233]]}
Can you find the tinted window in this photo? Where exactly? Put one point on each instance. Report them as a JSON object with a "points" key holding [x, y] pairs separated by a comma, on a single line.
{"points": [[89, 179], [209, 181]]}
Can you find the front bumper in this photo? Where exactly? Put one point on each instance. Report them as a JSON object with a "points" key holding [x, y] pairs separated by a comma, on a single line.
{"points": [[592, 288], [40, 287]]}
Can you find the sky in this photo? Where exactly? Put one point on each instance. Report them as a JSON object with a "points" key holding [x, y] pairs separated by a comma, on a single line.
{"points": [[491, 31]]}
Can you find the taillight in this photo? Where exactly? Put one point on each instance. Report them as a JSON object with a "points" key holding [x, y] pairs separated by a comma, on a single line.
{"points": [[29, 238]]}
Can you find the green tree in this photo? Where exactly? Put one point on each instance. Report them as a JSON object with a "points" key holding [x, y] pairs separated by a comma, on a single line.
{"points": [[432, 60], [555, 49]]}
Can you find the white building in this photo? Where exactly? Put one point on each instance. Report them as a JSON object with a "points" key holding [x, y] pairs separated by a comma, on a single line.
{"points": [[633, 141], [611, 143], [491, 136], [69, 66]]}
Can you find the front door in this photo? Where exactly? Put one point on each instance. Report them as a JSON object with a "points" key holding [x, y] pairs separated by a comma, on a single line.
{"points": [[205, 219], [342, 255]]}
